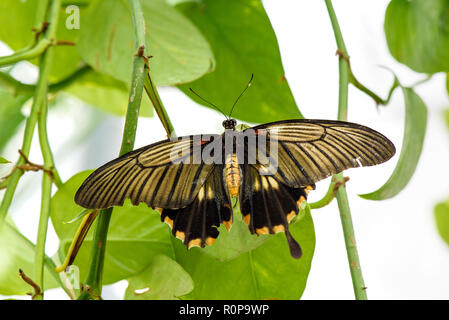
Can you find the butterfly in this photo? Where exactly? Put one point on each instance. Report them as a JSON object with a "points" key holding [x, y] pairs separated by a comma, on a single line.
{"points": [[270, 168]]}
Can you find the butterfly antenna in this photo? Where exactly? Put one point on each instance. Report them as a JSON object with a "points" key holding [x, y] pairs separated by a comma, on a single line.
{"points": [[246, 88], [213, 105]]}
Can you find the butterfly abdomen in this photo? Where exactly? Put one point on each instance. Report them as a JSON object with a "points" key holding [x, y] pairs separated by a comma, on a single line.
{"points": [[232, 175]]}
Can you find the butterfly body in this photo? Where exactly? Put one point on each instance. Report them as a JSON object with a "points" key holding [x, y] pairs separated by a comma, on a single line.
{"points": [[270, 169], [232, 175]]}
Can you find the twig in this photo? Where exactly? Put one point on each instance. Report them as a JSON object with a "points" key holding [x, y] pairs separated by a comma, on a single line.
{"points": [[330, 194], [37, 290], [39, 96], [44, 67], [353, 80], [20, 87]]}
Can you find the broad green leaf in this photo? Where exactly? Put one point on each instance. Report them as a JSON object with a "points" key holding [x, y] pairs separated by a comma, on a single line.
{"points": [[441, 212], [230, 244], [16, 252], [268, 272], [10, 114], [244, 43], [164, 279], [3, 160], [414, 132], [135, 237], [106, 93], [18, 18], [180, 53], [417, 33]]}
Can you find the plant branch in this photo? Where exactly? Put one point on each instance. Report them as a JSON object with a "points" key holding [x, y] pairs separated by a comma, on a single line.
{"points": [[353, 80], [39, 96], [330, 194], [42, 105], [342, 198], [22, 88], [161, 112], [93, 283]]}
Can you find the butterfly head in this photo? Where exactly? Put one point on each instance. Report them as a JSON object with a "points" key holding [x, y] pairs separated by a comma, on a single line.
{"points": [[229, 124]]}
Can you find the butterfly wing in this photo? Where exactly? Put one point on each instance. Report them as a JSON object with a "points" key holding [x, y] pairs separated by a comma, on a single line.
{"points": [[197, 223], [268, 205], [311, 150], [167, 174]]}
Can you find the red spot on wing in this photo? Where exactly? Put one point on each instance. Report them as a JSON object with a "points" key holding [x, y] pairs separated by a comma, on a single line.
{"points": [[201, 142]]}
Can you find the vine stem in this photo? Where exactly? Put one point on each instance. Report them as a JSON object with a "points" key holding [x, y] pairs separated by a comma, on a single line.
{"points": [[22, 88], [44, 72], [341, 195], [93, 283], [39, 95]]}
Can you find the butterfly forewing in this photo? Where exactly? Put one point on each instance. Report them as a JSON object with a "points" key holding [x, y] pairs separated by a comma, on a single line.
{"points": [[165, 174], [311, 150]]}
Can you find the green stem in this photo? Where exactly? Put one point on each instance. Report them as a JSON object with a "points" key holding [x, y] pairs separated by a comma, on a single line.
{"points": [[328, 197], [93, 283], [342, 197], [367, 91], [45, 63], [37, 47], [22, 88], [31, 53], [39, 95], [152, 93]]}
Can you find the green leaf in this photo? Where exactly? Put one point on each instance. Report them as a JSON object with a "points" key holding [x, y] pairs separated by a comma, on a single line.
{"points": [[230, 244], [244, 43], [268, 272], [417, 33], [180, 53], [441, 212], [3, 160], [414, 132], [106, 93], [16, 252], [135, 237], [10, 114], [18, 18], [164, 279]]}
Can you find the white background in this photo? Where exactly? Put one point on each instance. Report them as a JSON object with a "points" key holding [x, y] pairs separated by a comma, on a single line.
{"points": [[401, 253]]}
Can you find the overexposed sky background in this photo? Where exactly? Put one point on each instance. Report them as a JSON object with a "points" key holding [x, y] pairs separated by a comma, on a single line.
{"points": [[401, 253]]}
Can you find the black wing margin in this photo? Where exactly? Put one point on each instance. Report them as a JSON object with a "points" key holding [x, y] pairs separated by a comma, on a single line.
{"points": [[196, 224]]}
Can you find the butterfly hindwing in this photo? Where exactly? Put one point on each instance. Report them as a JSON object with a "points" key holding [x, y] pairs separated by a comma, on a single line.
{"points": [[197, 223], [163, 174], [268, 205]]}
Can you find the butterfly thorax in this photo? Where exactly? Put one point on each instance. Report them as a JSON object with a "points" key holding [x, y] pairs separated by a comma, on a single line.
{"points": [[232, 174]]}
